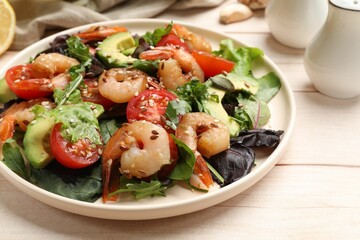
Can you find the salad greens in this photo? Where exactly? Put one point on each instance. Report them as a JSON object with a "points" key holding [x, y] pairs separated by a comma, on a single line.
{"points": [[154, 37], [83, 185], [245, 98], [79, 51], [141, 189]]}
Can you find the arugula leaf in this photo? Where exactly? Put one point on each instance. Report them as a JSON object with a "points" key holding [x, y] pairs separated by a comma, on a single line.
{"points": [[176, 108], [185, 165], [81, 52], [269, 86], [154, 37], [14, 159], [78, 50], [140, 189]]}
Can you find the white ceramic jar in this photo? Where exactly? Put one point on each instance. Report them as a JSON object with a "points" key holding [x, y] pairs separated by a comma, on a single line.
{"points": [[332, 60], [295, 22]]}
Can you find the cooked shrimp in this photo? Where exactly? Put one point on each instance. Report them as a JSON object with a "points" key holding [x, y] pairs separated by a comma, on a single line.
{"points": [[205, 136], [176, 61], [193, 40], [99, 33], [19, 114], [203, 133], [51, 64], [142, 149], [121, 84]]}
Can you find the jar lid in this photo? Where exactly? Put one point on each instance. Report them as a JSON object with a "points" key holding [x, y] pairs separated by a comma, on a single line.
{"points": [[347, 4]]}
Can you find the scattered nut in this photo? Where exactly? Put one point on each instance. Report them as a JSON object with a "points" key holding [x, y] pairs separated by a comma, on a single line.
{"points": [[235, 13], [254, 4]]}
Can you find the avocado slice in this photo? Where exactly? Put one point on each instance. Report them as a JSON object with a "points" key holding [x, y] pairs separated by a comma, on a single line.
{"points": [[5, 92], [111, 50], [216, 109], [233, 82], [37, 142]]}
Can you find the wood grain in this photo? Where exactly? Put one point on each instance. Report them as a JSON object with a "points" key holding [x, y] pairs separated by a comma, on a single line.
{"points": [[312, 193]]}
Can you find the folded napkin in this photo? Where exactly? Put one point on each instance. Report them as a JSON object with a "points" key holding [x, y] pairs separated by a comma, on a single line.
{"points": [[35, 17]]}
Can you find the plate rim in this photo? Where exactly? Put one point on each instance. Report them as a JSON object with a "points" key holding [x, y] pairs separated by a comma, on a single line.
{"points": [[154, 211]]}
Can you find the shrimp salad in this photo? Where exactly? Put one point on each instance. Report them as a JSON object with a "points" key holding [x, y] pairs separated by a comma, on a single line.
{"points": [[107, 113]]}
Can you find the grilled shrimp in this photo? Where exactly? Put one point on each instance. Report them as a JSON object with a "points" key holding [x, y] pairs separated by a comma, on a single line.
{"points": [[120, 84], [205, 136], [193, 40], [19, 114], [176, 61], [51, 64], [139, 149]]}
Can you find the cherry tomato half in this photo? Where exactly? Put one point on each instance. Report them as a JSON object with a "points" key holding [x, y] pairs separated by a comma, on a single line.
{"points": [[22, 82], [172, 40], [72, 155], [149, 105], [90, 93], [211, 64]]}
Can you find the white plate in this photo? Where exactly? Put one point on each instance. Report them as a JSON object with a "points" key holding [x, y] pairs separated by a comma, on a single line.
{"points": [[178, 200]]}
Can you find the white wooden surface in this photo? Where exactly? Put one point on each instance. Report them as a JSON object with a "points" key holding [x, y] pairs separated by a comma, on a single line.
{"points": [[312, 193]]}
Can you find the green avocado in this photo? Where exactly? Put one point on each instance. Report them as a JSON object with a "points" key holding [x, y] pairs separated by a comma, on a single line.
{"points": [[37, 141], [116, 49], [216, 109], [5, 92]]}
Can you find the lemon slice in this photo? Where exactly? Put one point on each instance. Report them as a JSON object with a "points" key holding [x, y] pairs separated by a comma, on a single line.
{"points": [[7, 26]]}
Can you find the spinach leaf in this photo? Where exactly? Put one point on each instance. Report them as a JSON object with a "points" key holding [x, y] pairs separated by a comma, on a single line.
{"points": [[185, 164], [154, 37], [140, 189], [269, 86], [108, 128], [80, 184], [14, 160]]}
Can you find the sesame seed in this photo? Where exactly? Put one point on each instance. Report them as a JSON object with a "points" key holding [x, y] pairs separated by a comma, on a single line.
{"points": [[153, 137]]}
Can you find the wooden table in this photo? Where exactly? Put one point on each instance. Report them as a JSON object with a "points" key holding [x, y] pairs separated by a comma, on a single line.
{"points": [[312, 193]]}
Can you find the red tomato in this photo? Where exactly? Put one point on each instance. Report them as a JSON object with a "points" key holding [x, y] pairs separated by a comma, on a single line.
{"points": [[211, 64], [22, 82], [72, 155], [150, 105], [90, 93], [172, 40]]}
